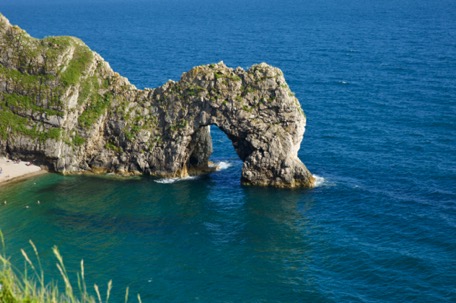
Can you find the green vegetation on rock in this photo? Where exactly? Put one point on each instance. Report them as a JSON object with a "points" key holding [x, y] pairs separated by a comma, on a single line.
{"points": [[97, 106], [219, 75], [113, 147], [25, 103], [78, 140], [36, 88], [13, 125], [82, 57]]}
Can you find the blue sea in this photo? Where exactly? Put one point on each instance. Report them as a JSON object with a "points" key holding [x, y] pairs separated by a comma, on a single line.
{"points": [[377, 80]]}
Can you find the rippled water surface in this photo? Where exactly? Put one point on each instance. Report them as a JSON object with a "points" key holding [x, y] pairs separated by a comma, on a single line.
{"points": [[377, 80]]}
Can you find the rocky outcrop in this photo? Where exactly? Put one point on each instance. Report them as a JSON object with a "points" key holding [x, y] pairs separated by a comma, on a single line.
{"points": [[61, 105]]}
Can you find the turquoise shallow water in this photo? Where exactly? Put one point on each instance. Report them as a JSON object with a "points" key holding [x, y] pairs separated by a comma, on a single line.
{"points": [[377, 82]]}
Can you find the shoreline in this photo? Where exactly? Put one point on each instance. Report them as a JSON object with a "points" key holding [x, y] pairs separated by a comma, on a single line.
{"points": [[11, 171]]}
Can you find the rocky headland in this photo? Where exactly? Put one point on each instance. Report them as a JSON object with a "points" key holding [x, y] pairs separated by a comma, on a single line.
{"points": [[63, 107]]}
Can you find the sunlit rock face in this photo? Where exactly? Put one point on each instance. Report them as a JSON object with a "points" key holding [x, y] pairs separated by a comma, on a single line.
{"points": [[62, 106]]}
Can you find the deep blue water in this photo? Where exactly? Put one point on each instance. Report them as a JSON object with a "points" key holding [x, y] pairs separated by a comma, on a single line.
{"points": [[377, 80]]}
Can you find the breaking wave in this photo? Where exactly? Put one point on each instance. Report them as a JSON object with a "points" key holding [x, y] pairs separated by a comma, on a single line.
{"points": [[319, 181], [223, 165], [174, 180]]}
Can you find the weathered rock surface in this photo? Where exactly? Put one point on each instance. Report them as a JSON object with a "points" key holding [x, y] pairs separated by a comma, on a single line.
{"points": [[62, 106]]}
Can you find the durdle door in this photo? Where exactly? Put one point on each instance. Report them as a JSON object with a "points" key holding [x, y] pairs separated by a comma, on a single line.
{"points": [[62, 106]]}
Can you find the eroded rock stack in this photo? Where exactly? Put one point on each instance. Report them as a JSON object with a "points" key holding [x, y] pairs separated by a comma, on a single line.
{"points": [[62, 106]]}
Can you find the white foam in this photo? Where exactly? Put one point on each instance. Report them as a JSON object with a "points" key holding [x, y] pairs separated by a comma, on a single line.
{"points": [[223, 165], [174, 180], [319, 181]]}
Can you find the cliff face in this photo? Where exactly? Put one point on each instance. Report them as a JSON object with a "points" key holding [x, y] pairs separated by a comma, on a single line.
{"points": [[61, 105]]}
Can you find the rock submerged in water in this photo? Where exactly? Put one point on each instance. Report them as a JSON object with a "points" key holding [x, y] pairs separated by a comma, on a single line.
{"points": [[62, 106]]}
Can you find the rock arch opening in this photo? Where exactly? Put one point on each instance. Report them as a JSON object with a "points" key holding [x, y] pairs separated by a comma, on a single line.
{"points": [[223, 149]]}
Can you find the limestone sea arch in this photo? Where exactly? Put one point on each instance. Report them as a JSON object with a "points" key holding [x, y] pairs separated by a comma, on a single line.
{"points": [[62, 106]]}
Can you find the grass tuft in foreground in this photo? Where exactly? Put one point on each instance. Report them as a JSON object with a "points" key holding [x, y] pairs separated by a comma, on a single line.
{"points": [[29, 286]]}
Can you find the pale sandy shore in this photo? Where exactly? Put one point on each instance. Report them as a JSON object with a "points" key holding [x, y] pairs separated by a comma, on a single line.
{"points": [[11, 171]]}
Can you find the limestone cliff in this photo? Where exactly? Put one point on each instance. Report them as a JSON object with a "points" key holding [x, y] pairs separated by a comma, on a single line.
{"points": [[62, 106]]}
